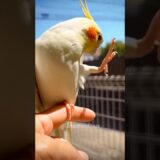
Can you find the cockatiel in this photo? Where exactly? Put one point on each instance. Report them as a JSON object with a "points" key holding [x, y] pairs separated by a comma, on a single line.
{"points": [[59, 60]]}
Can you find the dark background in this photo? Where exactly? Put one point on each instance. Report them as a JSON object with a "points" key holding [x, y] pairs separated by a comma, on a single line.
{"points": [[17, 79], [136, 25], [142, 88]]}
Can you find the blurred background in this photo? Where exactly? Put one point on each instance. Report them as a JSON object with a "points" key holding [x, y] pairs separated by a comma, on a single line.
{"points": [[142, 80]]}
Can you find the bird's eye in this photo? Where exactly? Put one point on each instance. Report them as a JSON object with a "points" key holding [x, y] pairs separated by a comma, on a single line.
{"points": [[99, 37]]}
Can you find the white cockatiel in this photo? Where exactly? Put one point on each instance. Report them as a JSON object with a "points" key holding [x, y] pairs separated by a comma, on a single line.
{"points": [[59, 60]]}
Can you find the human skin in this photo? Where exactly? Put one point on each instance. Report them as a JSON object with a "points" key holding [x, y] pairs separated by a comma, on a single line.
{"points": [[49, 148]]}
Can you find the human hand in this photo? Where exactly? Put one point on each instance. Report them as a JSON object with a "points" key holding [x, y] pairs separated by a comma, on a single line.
{"points": [[49, 148]]}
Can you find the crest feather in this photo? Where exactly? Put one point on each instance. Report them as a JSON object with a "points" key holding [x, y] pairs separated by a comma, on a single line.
{"points": [[85, 9]]}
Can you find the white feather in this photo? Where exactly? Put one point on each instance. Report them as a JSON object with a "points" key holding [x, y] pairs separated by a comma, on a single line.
{"points": [[57, 62]]}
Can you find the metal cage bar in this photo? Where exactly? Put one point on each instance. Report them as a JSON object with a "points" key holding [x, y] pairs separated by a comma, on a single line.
{"points": [[103, 138]]}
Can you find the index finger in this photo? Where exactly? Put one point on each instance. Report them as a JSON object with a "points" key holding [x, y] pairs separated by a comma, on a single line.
{"points": [[58, 115]]}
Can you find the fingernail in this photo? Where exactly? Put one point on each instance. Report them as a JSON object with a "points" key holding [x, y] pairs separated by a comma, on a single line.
{"points": [[84, 155]]}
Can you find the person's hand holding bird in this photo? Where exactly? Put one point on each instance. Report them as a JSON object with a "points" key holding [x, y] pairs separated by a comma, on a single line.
{"points": [[48, 147]]}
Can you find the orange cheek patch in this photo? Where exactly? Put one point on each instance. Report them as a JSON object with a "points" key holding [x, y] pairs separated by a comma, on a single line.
{"points": [[92, 33]]}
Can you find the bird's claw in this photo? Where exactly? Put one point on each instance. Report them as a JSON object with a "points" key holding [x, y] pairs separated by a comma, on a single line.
{"points": [[109, 56], [69, 110]]}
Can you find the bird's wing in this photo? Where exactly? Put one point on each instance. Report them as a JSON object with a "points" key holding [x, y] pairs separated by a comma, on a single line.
{"points": [[57, 68]]}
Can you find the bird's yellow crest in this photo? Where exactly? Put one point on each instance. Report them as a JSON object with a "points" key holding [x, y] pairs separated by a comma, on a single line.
{"points": [[85, 9]]}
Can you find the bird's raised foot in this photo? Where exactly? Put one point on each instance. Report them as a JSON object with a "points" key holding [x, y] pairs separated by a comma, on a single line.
{"points": [[109, 56]]}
